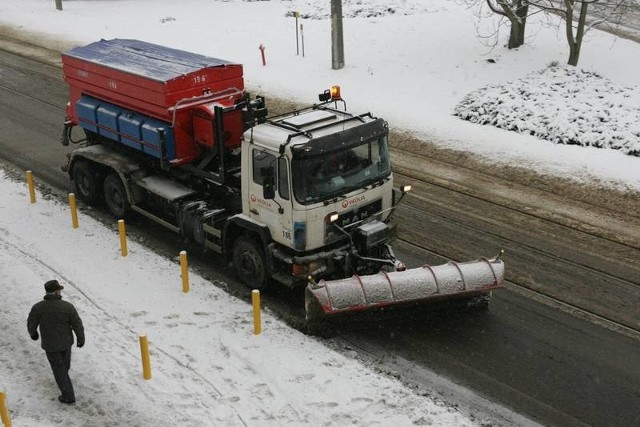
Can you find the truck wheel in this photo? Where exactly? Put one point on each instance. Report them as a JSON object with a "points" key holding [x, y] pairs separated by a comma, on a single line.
{"points": [[86, 182], [249, 262], [115, 196]]}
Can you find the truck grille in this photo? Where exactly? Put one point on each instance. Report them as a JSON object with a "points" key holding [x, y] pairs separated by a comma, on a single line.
{"points": [[352, 216]]}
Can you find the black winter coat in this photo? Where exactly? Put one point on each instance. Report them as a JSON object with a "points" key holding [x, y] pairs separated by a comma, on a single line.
{"points": [[56, 318]]}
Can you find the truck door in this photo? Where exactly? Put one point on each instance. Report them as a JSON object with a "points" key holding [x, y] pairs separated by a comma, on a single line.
{"points": [[267, 168]]}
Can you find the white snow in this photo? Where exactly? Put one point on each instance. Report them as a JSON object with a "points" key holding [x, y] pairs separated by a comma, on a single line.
{"points": [[208, 367], [563, 105], [409, 61]]}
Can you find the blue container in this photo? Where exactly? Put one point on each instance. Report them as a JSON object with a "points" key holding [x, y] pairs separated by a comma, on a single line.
{"points": [[86, 110], [130, 126], [134, 130], [151, 135], [108, 121]]}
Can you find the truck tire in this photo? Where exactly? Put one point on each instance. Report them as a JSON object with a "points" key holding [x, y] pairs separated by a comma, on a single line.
{"points": [[249, 262], [115, 196], [86, 182]]}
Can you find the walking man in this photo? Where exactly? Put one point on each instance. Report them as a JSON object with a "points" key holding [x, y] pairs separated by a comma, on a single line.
{"points": [[56, 319]]}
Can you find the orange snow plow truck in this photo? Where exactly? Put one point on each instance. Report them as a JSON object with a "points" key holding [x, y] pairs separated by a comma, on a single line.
{"points": [[303, 199]]}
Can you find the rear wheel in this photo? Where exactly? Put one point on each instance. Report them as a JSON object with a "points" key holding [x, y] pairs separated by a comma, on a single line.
{"points": [[249, 262], [86, 182], [115, 196]]}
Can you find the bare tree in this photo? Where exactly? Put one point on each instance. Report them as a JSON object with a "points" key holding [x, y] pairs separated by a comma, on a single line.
{"points": [[516, 12], [579, 17], [575, 33]]}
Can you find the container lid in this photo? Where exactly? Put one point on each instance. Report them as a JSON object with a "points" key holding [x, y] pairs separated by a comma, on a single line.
{"points": [[152, 61]]}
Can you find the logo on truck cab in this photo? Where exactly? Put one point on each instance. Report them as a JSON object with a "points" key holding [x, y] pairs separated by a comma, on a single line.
{"points": [[260, 201], [347, 203]]}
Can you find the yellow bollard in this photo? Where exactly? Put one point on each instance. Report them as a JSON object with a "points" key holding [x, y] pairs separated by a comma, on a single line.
{"points": [[185, 271], [32, 190], [146, 363], [4, 412], [74, 210], [255, 299], [123, 237]]}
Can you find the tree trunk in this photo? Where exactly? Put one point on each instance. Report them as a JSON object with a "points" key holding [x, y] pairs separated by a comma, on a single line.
{"points": [[516, 36], [574, 54], [575, 43]]}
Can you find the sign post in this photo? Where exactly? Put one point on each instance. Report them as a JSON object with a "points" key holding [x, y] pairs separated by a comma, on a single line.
{"points": [[337, 44]]}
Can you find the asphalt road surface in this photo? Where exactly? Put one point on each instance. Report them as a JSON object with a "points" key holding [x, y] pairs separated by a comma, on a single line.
{"points": [[560, 345]]}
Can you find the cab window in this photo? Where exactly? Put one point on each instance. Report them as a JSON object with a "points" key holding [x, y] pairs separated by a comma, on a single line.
{"points": [[261, 159], [283, 178]]}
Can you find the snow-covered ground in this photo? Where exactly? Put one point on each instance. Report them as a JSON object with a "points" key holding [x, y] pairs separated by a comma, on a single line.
{"points": [[410, 61], [208, 368], [564, 105]]}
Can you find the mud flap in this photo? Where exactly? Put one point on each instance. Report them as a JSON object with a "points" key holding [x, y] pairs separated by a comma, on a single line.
{"points": [[448, 281]]}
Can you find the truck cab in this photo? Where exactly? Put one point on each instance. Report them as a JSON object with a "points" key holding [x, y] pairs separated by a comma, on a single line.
{"points": [[320, 182]]}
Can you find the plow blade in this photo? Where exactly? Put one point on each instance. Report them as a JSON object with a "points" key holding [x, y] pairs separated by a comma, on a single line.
{"points": [[358, 293]]}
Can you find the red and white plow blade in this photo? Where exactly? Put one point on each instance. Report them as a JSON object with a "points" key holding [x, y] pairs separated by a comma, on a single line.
{"points": [[357, 293]]}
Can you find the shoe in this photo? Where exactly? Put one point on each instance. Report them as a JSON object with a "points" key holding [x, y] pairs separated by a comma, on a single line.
{"points": [[68, 402]]}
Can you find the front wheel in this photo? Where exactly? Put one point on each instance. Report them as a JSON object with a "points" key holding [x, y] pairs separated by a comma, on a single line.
{"points": [[115, 196], [249, 262]]}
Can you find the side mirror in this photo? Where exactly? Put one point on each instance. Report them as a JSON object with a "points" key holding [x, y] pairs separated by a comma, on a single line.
{"points": [[268, 183]]}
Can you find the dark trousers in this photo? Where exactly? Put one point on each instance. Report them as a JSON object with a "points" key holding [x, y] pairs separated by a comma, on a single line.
{"points": [[60, 362]]}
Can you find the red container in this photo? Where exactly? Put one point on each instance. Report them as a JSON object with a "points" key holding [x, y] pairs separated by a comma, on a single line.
{"points": [[164, 83]]}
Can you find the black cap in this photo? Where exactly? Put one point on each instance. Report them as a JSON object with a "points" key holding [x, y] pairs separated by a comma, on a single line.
{"points": [[52, 286]]}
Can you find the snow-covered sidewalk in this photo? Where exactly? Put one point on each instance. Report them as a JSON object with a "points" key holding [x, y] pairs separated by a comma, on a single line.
{"points": [[208, 369]]}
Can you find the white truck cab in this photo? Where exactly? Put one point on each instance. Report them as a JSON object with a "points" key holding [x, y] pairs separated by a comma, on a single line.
{"points": [[304, 167]]}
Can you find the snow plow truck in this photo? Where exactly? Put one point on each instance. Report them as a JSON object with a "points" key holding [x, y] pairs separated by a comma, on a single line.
{"points": [[303, 199]]}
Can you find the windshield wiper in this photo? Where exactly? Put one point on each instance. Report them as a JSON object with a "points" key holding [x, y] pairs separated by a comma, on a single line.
{"points": [[341, 194], [334, 198]]}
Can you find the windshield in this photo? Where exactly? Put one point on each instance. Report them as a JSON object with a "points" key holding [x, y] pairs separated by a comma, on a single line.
{"points": [[333, 174]]}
